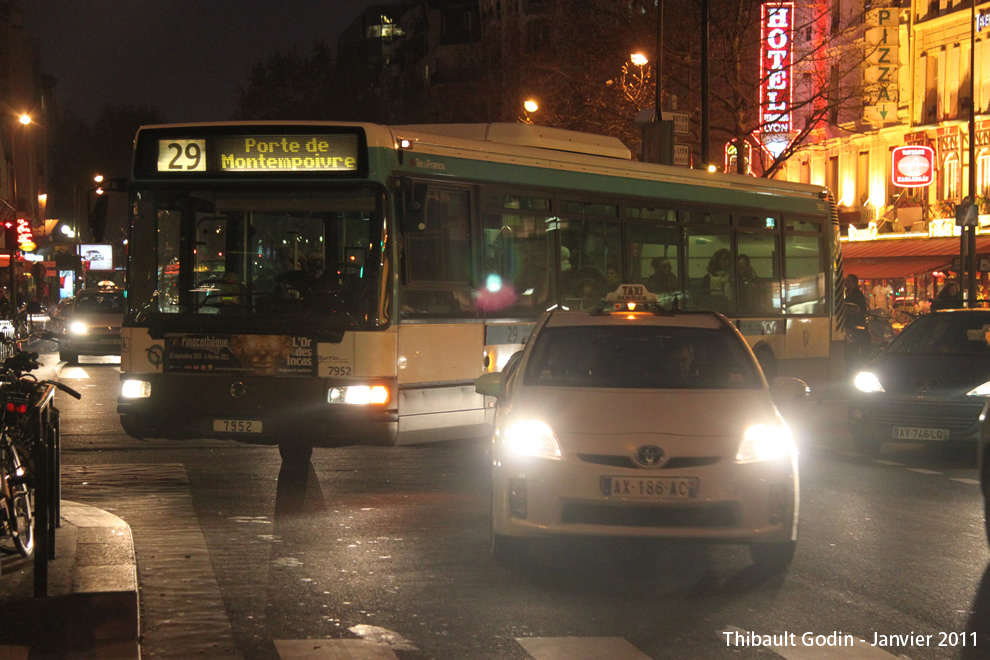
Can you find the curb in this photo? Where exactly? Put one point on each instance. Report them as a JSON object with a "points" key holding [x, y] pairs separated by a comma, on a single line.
{"points": [[93, 608]]}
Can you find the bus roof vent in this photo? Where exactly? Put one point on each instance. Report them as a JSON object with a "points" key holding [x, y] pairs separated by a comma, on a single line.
{"points": [[527, 135]]}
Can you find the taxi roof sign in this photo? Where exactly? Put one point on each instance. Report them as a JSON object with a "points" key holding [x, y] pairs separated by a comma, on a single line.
{"points": [[635, 293]]}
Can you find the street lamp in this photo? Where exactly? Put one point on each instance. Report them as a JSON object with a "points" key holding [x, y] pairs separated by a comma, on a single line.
{"points": [[529, 106], [639, 59]]}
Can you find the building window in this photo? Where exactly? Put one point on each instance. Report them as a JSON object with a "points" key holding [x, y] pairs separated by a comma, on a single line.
{"points": [[950, 177], [983, 173]]}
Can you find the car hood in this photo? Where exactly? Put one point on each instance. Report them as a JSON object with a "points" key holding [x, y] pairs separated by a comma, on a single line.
{"points": [[109, 320], [913, 374], [584, 420]]}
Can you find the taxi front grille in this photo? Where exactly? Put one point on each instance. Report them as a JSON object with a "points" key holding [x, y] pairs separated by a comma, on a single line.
{"points": [[723, 515], [626, 462]]}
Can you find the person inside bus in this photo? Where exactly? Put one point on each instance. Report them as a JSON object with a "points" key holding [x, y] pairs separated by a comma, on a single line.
{"points": [[717, 283], [612, 279], [663, 279], [748, 289], [591, 296]]}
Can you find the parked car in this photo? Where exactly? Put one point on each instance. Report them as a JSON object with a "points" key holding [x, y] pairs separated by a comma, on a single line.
{"points": [[642, 423], [931, 384], [92, 323]]}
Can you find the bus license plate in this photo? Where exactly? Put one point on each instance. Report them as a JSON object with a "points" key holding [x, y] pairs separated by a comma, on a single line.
{"points": [[914, 433], [653, 488], [237, 426]]}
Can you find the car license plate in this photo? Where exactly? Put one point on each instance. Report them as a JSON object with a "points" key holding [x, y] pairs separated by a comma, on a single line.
{"points": [[650, 488], [237, 426], [914, 433]]}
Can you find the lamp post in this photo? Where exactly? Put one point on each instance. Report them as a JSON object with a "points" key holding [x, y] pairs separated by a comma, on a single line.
{"points": [[24, 119]]}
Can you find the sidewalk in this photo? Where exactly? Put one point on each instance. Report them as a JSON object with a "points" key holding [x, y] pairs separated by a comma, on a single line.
{"points": [[91, 610]]}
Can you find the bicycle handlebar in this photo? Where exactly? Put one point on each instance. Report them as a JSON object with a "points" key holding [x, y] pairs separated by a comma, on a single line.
{"points": [[65, 388]]}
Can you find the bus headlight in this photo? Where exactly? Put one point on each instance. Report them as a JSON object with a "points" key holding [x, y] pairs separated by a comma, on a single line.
{"points": [[359, 395], [135, 389], [765, 442], [78, 328]]}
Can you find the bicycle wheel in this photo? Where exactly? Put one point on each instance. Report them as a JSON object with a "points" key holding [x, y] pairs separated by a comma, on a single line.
{"points": [[22, 521], [20, 502]]}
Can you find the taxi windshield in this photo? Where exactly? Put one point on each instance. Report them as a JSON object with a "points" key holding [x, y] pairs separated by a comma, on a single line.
{"points": [[100, 303], [640, 357]]}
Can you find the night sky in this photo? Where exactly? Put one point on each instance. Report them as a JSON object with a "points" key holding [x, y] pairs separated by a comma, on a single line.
{"points": [[184, 57]]}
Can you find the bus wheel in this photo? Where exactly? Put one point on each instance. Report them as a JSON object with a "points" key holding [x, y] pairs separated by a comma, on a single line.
{"points": [[295, 453], [768, 363]]}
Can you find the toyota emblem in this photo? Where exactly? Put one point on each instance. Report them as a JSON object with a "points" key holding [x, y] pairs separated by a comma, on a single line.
{"points": [[649, 456]]}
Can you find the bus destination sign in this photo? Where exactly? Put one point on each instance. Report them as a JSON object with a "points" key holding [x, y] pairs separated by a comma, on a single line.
{"points": [[262, 153]]}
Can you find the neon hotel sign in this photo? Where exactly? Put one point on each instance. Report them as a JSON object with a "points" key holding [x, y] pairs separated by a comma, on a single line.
{"points": [[775, 69]]}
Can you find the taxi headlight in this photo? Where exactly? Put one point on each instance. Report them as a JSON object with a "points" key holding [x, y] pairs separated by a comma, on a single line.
{"points": [[135, 389], [531, 438], [358, 395], [867, 381], [78, 328], [982, 390], [765, 442]]}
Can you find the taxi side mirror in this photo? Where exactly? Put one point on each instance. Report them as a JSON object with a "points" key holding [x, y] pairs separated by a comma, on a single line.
{"points": [[490, 384], [787, 390]]}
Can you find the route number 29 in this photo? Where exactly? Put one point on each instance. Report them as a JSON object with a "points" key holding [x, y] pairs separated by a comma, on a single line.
{"points": [[182, 155]]}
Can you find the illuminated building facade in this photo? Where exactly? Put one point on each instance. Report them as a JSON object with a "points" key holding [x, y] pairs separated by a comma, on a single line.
{"points": [[898, 162]]}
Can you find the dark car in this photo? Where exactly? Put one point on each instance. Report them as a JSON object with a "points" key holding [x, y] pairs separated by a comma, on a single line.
{"points": [[92, 324], [930, 385]]}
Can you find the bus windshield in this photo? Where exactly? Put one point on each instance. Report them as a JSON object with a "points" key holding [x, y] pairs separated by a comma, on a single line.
{"points": [[276, 258]]}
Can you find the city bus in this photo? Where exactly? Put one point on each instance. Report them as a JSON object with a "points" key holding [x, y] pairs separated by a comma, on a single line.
{"points": [[310, 284]]}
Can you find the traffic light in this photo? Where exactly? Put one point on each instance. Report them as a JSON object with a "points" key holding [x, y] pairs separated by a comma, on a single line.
{"points": [[10, 234]]}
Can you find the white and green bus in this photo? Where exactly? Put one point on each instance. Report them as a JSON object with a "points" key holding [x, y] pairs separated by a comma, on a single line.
{"points": [[322, 283]]}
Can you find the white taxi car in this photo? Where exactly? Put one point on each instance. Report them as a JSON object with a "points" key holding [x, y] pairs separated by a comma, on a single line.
{"points": [[640, 422]]}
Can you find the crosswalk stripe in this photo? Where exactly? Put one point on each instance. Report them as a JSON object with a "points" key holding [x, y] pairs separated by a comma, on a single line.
{"points": [[580, 648], [333, 649], [859, 650], [73, 372], [963, 480], [923, 471], [891, 463]]}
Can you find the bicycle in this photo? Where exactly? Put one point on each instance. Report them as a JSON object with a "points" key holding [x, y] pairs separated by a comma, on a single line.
{"points": [[21, 395]]}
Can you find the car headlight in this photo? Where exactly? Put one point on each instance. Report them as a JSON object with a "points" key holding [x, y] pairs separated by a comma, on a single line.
{"points": [[78, 328], [867, 381], [531, 438], [982, 390], [358, 395], [765, 442]]}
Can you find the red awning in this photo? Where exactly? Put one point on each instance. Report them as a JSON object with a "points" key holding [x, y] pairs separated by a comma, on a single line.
{"points": [[892, 269], [910, 247]]}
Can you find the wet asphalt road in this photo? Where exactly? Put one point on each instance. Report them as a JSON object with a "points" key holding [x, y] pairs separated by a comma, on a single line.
{"points": [[237, 558]]}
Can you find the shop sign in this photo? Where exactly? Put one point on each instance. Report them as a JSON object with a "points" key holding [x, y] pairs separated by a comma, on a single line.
{"points": [[776, 60], [912, 166], [868, 234], [943, 228]]}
